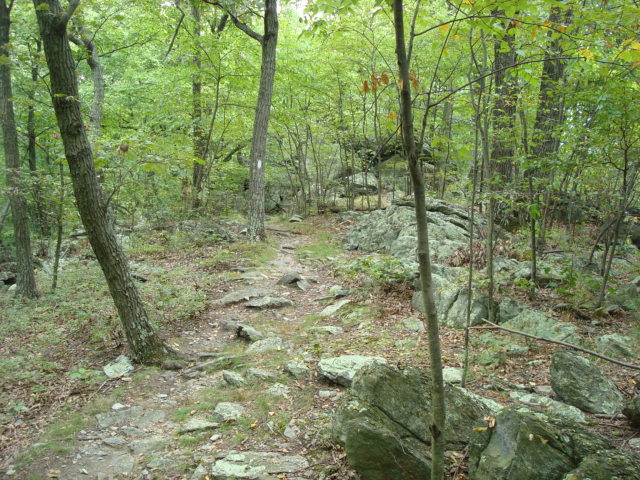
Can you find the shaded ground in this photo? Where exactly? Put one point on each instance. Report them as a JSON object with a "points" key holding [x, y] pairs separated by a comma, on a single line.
{"points": [[62, 439]]}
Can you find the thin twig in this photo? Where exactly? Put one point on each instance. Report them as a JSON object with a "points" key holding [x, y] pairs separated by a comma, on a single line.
{"points": [[559, 342]]}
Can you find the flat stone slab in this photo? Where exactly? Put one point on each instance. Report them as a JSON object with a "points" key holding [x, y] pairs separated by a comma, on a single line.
{"points": [[260, 374], [342, 369], [196, 425], [241, 296], [269, 302], [553, 407], [118, 417], [233, 378], [332, 309], [328, 329], [229, 411], [235, 465], [266, 344], [148, 445], [121, 367]]}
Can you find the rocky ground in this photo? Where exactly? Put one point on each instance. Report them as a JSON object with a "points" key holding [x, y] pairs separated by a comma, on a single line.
{"points": [[278, 349]]}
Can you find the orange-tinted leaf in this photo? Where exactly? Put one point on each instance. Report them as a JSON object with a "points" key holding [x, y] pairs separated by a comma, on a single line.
{"points": [[384, 78], [374, 87], [365, 86], [374, 79]]}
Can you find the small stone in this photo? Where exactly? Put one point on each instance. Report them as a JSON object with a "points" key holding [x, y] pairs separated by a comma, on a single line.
{"points": [[544, 390], [290, 278], [229, 411], [260, 374], [215, 438], [452, 374], [330, 329], [299, 370], [292, 431], [162, 395], [269, 302], [197, 424], [271, 343], [413, 324], [332, 309], [278, 390], [327, 393], [248, 333], [121, 367], [114, 441], [241, 296], [117, 406], [232, 378]]}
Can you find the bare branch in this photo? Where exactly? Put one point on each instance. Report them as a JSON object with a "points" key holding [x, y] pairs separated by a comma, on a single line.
{"points": [[240, 25], [493, 326]]}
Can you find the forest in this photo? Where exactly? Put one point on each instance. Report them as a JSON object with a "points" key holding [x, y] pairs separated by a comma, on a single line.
{"points": [[320, 239]]}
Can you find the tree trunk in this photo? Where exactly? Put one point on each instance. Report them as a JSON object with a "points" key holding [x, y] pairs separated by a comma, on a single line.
{"points": [[43, 220], [199, 141], [26, 283], [256, 230], [417, 180], [146, 346]]}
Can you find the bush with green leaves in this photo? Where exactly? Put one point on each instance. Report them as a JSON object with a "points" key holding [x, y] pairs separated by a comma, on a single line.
{"points": [[381, 269]]}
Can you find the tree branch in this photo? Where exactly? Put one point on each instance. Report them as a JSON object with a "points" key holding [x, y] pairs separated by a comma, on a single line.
{"points": [[493, 326], [240, 25], [68, 13]]}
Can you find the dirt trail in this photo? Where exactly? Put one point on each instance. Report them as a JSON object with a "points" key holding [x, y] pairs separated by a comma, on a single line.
{"points": [[142, 434]]}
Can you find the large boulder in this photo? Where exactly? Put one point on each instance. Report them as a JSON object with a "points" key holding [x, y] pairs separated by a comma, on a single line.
{"points": [[344, 368], [519, 444], [631, 410], [451, 296], [383, 422], [607, 465], [579, 383], [539, 324], [393, 231]]}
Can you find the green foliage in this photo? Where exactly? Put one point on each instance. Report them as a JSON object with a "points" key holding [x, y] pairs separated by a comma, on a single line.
{"points": [[379, 269]]}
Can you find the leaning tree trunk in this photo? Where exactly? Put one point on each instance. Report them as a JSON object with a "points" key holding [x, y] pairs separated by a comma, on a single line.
{"points": [[256, 230], [26, 284], [145, 345], [417, 180], [199, 140]]}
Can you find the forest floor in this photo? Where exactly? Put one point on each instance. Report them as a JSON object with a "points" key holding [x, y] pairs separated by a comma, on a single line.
{"points": [[49, 428]]}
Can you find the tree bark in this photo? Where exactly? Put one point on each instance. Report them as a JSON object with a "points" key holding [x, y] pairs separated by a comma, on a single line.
{"points": [[199, 140], [255, 229], [146, 346], [26, 283], [417, 180]]}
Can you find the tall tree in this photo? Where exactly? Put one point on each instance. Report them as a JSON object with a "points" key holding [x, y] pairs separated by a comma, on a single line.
{"points": [[268, 40], [417, 180], [145, 344], [26, 283]]}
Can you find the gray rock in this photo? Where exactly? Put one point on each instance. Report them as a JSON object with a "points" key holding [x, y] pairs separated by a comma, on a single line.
{"points": [[229, 411], [393, 230], [233, 378], [452, 374], [607, 465], [538, 324], [269, 302], [631, 410], [333, 309], [330, 329], [292, 431], [148, 445], [114, 441], [552, 407], [118, 417], [197, 424], [120, 465], [260, 374], [579, 383], [342, 369], [149, 418], [617, 345], [160, 463], [120, 368], [413, 324], [290, 278], [299, 370], [509, 309], [267, 344], [200, 473], [278, 390], [241, 296], [237, 465], [383, 423], [248, 333], [628, 297], [525, 445]]}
